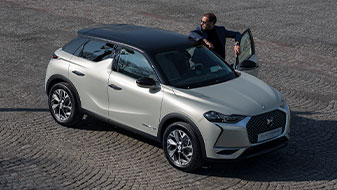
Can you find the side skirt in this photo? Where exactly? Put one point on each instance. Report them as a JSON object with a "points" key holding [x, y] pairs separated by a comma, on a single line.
{"points": [[120, 125]]}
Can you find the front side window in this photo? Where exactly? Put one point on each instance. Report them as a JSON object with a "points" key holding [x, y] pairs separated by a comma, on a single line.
{"points": [[134, 64], [193, 67], [97, 50]]}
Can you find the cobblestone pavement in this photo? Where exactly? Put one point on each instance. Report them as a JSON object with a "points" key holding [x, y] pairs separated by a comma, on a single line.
{"points": [[295, 40]]}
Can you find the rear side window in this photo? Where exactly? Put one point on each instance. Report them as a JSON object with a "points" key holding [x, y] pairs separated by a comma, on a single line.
{"points": [[75, 44], [97, 50]]}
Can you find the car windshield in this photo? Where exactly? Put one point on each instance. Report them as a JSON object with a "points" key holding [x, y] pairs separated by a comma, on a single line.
{"points": [[193, 67]]}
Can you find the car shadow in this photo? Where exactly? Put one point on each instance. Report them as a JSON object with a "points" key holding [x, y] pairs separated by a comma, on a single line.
{"points": [[93, 124], [89, 123], [310, 155], [24, 110]]}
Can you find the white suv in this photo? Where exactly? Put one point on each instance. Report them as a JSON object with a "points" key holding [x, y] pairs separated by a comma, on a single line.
{"points": [[169, 88]]}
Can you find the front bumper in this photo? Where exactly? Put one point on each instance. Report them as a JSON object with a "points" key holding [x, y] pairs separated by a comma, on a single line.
{"points": [[233, 141]]}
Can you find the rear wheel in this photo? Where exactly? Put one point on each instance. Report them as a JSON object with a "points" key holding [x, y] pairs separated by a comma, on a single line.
{"points": [[62, 104], [181, 147]]}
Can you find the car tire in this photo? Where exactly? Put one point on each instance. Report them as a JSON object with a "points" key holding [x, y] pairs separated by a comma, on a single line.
{"points": [[63, 105], [182, 147]]}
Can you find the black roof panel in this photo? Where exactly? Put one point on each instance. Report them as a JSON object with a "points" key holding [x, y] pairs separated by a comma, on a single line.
{"points": [[144, 38]]}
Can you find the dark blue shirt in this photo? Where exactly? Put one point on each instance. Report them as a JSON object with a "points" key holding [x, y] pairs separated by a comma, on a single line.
{"points": [[222, 33]]}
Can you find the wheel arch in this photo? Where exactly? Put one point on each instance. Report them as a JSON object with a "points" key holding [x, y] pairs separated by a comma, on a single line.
{"points": [[176, 117], [57, 78]]}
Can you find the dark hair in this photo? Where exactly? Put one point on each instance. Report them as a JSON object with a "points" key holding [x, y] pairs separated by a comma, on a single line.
{"points": [[211, 17]]}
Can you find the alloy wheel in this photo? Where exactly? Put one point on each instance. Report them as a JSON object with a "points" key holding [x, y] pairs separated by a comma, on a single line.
{"points": [[61, 105], [179, 147]]}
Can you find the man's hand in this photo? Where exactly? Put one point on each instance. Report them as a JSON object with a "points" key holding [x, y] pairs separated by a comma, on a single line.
{"points": [[208, 44], [237, 49]]}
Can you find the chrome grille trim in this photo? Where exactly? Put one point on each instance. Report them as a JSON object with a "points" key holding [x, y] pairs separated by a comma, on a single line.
{"points": [[258, 124]]}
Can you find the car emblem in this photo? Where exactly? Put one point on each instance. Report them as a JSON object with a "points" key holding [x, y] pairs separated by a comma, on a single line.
{"points": [[263, 107], [270, 121]]}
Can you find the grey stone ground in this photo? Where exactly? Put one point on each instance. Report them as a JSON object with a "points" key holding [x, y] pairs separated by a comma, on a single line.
{"points": [[296, 42]]}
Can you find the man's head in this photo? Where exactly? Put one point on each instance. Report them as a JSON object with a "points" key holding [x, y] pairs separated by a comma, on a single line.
{"points": [[208, 21]]}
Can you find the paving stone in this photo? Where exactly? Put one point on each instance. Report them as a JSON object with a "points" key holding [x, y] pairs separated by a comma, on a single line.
{"points": [[297, 47]]}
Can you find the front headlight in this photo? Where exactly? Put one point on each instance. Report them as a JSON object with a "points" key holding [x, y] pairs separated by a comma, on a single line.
{"points": [[213, 116]]}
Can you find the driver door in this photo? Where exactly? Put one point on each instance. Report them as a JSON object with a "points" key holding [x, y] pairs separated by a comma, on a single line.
{"points": [[130, 104], [247, 61]]}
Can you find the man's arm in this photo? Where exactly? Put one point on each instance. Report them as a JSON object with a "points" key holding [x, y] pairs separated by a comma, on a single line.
{"points": [[196, 34], [233, 34], [237, 36]]}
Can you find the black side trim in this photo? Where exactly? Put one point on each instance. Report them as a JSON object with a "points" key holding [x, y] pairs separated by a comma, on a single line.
{"points": [[120, 125], [187, 120], [57, 77], [133, 130]]}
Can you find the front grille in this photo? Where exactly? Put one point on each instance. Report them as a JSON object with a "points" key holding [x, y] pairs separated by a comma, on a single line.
{"points": [[259, 124]]}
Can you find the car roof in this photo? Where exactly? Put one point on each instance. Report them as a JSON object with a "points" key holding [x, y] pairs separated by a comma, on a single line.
{"points": [[146, 39]]}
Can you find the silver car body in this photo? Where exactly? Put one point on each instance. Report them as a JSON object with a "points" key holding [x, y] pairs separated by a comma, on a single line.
{"points": [[116, 97]]}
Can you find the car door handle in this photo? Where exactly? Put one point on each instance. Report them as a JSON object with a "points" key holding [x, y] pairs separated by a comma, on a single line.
{"points": [[78, 73], [115, 87]]}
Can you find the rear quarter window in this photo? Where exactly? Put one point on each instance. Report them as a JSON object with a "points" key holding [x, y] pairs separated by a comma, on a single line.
{"points": [[97, 50], [73, 45]]}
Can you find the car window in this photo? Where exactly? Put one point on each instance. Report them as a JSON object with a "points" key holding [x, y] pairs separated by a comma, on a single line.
{"points": [[97, 50], [245, 47], [193, 67], [134, 64], [75, 44]]}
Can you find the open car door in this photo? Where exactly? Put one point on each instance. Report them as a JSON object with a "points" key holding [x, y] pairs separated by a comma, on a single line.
{"points": [[247, 61]]}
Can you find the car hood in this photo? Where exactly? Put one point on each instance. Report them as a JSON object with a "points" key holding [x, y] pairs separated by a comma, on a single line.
{"points": [[245, 95]]}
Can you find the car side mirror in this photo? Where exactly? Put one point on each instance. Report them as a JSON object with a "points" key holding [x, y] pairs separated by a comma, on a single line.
{"points": [[237, 72], [146, 82]]}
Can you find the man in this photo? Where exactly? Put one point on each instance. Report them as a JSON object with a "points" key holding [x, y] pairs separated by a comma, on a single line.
{"points": [[214, 36]]}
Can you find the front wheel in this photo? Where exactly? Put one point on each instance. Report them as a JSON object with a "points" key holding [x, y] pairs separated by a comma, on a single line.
{"points": [[181, 147], [62, 104]]}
